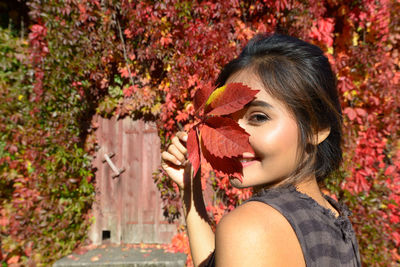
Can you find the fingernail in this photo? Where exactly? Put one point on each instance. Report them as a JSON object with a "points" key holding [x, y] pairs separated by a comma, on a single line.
{"points": [[185, 138], [178, 163]]}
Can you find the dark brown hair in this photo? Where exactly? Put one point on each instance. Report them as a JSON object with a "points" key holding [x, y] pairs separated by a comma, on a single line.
{"points": [[299, 75]]}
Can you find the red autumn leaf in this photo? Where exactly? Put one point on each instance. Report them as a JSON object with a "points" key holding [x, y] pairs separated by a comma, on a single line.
{"points": [[182, 116], [13, 260], [165, 40], [361, 112], [223, 137], [350, 113], [81, 251], [201, 97], [95, 258], [225, 166], [193, 150], [390, 170], [233, 98]]}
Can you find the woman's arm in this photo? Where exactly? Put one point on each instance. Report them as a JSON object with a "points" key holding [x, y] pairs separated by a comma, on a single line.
{"points": [[175, 164], [201, 236]]}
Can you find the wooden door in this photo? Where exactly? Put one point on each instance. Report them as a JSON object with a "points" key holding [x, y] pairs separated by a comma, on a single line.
{"points": [[128, 207]]}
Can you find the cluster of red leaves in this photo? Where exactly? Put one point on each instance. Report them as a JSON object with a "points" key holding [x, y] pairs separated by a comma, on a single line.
{"points": [[146, 58], [44, 171], [180, 243], [220, 140], [367, 63], [39, 49]]}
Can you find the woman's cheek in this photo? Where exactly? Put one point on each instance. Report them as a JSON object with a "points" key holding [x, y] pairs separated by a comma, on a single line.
{"points": [[284, 134]]}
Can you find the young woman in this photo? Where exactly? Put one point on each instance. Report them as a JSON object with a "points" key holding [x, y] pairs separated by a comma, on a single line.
{"points": [[294, 125]]}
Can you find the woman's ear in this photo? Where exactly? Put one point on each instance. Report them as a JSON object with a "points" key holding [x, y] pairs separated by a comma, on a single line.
{"points": [[321, 136]]}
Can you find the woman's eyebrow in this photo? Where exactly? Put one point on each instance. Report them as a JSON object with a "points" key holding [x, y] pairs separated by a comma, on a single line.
{"points": [[259, 103]]}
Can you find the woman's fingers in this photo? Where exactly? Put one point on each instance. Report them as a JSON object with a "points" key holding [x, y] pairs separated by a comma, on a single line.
{"points": [[169, 157], [177, 149], [174, 160], [173, 150], [176, 141], [170, 165], [182, 136], [176, 152]]}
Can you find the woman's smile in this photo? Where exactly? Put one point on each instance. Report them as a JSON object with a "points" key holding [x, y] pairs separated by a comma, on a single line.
{"points": [[248, 159], [247, 162]]}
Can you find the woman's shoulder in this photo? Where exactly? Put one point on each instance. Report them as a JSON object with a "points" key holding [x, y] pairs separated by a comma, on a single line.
{"points": [[256, 234], [257, 214]]}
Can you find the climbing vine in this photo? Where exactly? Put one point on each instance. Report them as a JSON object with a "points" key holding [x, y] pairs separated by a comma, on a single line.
{"points": [[147, 59]]}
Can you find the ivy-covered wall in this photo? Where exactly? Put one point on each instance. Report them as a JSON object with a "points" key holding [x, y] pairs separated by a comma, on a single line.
{"points": [[146, 59], [45, 172]]}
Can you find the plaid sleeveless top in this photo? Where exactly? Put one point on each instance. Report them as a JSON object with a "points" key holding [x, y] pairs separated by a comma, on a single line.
{"points": [[326, 240]]}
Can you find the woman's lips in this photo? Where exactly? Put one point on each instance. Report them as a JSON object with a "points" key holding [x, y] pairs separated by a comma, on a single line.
{"points": [[247, 161]]}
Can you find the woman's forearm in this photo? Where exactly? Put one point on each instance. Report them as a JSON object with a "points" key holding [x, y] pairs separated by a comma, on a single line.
{"points": [[201, 236]]}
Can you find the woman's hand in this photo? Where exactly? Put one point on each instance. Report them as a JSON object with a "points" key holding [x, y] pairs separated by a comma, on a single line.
{"points": [[174, 160]]}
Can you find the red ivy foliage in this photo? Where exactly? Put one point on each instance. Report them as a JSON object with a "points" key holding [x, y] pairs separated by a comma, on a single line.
{"points": [[220, 140], [148, 59], [39, 49]]}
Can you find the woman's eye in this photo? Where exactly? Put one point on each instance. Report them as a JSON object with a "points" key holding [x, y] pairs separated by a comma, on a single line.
{"points": [[258, 117]]}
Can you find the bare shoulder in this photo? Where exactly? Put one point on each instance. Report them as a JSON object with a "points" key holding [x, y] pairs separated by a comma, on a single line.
{"points": [[255, 234]]}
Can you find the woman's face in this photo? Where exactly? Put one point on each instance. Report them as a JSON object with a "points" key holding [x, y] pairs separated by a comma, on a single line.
{"points": [[273, 136]]}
